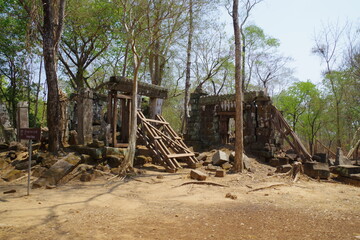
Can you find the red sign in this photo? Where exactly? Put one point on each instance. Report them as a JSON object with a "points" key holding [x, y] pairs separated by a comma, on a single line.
{"points": [[30, 133]]}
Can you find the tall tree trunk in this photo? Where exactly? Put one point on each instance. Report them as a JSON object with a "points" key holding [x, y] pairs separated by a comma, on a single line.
{"points": [[238, 165], [188, 69], [130, 154], [52, 30]]}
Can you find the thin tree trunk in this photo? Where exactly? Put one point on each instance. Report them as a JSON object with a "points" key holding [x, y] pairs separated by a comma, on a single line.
{"points": [[188, 69], [238, 165], [37, 93], [338, 129]]}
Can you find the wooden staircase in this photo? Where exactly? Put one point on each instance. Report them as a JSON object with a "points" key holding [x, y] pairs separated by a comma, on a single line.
{"points": [[164, 142], [288, 134]]}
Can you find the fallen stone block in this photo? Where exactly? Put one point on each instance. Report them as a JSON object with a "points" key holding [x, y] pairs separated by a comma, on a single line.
{"points": [[346, 170], [341, 159], [317, 170], [355, 176], [54, 174], [283, 168], [198, 175], [202, 157], [220, 173], [220, 158], [12, 175]]}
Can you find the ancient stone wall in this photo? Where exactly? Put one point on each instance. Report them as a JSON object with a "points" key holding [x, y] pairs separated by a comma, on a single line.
{"points": [[211, 116]]}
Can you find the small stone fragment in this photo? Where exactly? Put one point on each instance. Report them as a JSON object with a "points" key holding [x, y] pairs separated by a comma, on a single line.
{"points": [[231, 196], [220, 173], [198, 175]]}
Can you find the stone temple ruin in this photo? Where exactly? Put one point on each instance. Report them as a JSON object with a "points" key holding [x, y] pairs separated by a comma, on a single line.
{"points": [[97, 125]]}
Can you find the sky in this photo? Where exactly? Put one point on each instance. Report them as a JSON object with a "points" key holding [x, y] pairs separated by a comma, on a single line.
{"points": [[295, 22]]}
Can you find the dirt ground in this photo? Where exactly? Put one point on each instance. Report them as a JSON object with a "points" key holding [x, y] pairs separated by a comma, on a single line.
{"points": [[155, 205]]}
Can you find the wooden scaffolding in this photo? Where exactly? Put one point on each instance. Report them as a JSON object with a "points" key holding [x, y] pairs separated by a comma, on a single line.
{"points": [[288, 134], [164, 143]]}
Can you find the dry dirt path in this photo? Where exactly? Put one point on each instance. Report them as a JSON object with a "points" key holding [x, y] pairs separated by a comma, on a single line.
{"points": [[147, 207]]}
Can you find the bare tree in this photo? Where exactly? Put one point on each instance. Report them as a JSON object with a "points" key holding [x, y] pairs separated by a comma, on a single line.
{"points": [[327, 47], [239, 145]]}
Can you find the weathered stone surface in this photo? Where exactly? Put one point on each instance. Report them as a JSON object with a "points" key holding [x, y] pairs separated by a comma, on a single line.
{"points": [[196, 165], [341, 159], [211, 168], [86, 177], [73, 138], [85, 168], [317, 170], [97, 144], [114, 161], [247, 162], [227, 166], [54, 174], [37, 171], [291, 156], [355, 176], [220, 158], [198, 175], [283, 168], [220, 173], [16, 146], [283, 160], [87, 159], [95, 153], [114, 151], [346, 170], [12, 175], [141, 160], [4, 163], [114, 171], [12, 155], [46, 159], [24, 164], [232, 156], [4, 146], [202, 157], [274, 162]]}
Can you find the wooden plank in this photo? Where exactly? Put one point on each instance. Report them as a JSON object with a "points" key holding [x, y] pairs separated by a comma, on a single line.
{"points": [[328, 149], [123, 96], [180, 155], [114, 119]]}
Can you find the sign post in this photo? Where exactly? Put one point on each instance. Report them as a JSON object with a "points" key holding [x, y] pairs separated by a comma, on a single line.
{"points": [[30, 134]]}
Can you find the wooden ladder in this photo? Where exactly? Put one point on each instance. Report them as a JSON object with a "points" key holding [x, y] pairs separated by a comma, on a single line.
{"points": [[164, 142], [288, 134]]}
